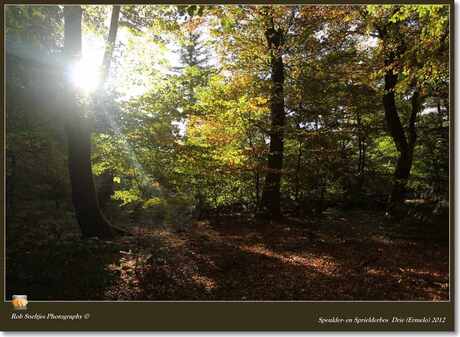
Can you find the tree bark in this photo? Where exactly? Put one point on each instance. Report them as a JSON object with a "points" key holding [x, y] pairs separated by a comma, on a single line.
{"points": [[271, 191], [89, 216]]}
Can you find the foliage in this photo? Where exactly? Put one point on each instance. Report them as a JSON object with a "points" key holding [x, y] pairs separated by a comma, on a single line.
{"points": [[182, 128]]}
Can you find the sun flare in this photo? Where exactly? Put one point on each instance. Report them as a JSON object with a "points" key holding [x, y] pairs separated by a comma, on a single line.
{"points": [[85, 75]]}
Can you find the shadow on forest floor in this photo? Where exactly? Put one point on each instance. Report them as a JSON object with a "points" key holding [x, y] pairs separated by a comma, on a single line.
{"points": [[351, 255]]}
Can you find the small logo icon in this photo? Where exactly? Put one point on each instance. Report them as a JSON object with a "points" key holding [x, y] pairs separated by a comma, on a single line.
{"points": [[19, 302]]}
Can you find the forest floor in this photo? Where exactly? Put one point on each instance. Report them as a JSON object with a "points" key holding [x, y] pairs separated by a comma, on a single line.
{"points": [[342, 255]]}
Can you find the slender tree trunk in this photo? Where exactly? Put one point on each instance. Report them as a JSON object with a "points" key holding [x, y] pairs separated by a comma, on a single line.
{"points": [[111, 40], [363, 167], [271, 191], [107, 185], [257, 187], [297, 172], [361, 154], [256, 172], [416, 106], [89, 216]]}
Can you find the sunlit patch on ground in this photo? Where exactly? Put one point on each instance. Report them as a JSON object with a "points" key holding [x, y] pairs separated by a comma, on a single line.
{"points": [[232, 259], [324, 265], [375, 272], [204, 281]]}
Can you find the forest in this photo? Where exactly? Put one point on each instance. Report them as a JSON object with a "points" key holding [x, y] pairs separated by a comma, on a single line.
{"points": [[227, 152]]}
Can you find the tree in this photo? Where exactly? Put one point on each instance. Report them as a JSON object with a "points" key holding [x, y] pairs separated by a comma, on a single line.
{"points": [[110, 45], [403, 34], [90, 218], [107, 185], [393, 49], [271, 193]]}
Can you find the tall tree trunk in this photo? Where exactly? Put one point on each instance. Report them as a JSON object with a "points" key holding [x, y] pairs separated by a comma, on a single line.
{"points": [[397, 133], [256, 172], [271, 191], [89, 216], [111, 40], [361, 155], [107, 185], [405, 146], [297, 171]]}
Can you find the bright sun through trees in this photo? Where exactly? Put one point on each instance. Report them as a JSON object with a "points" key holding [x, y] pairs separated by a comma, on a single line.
{"points": [[86, 74]]}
